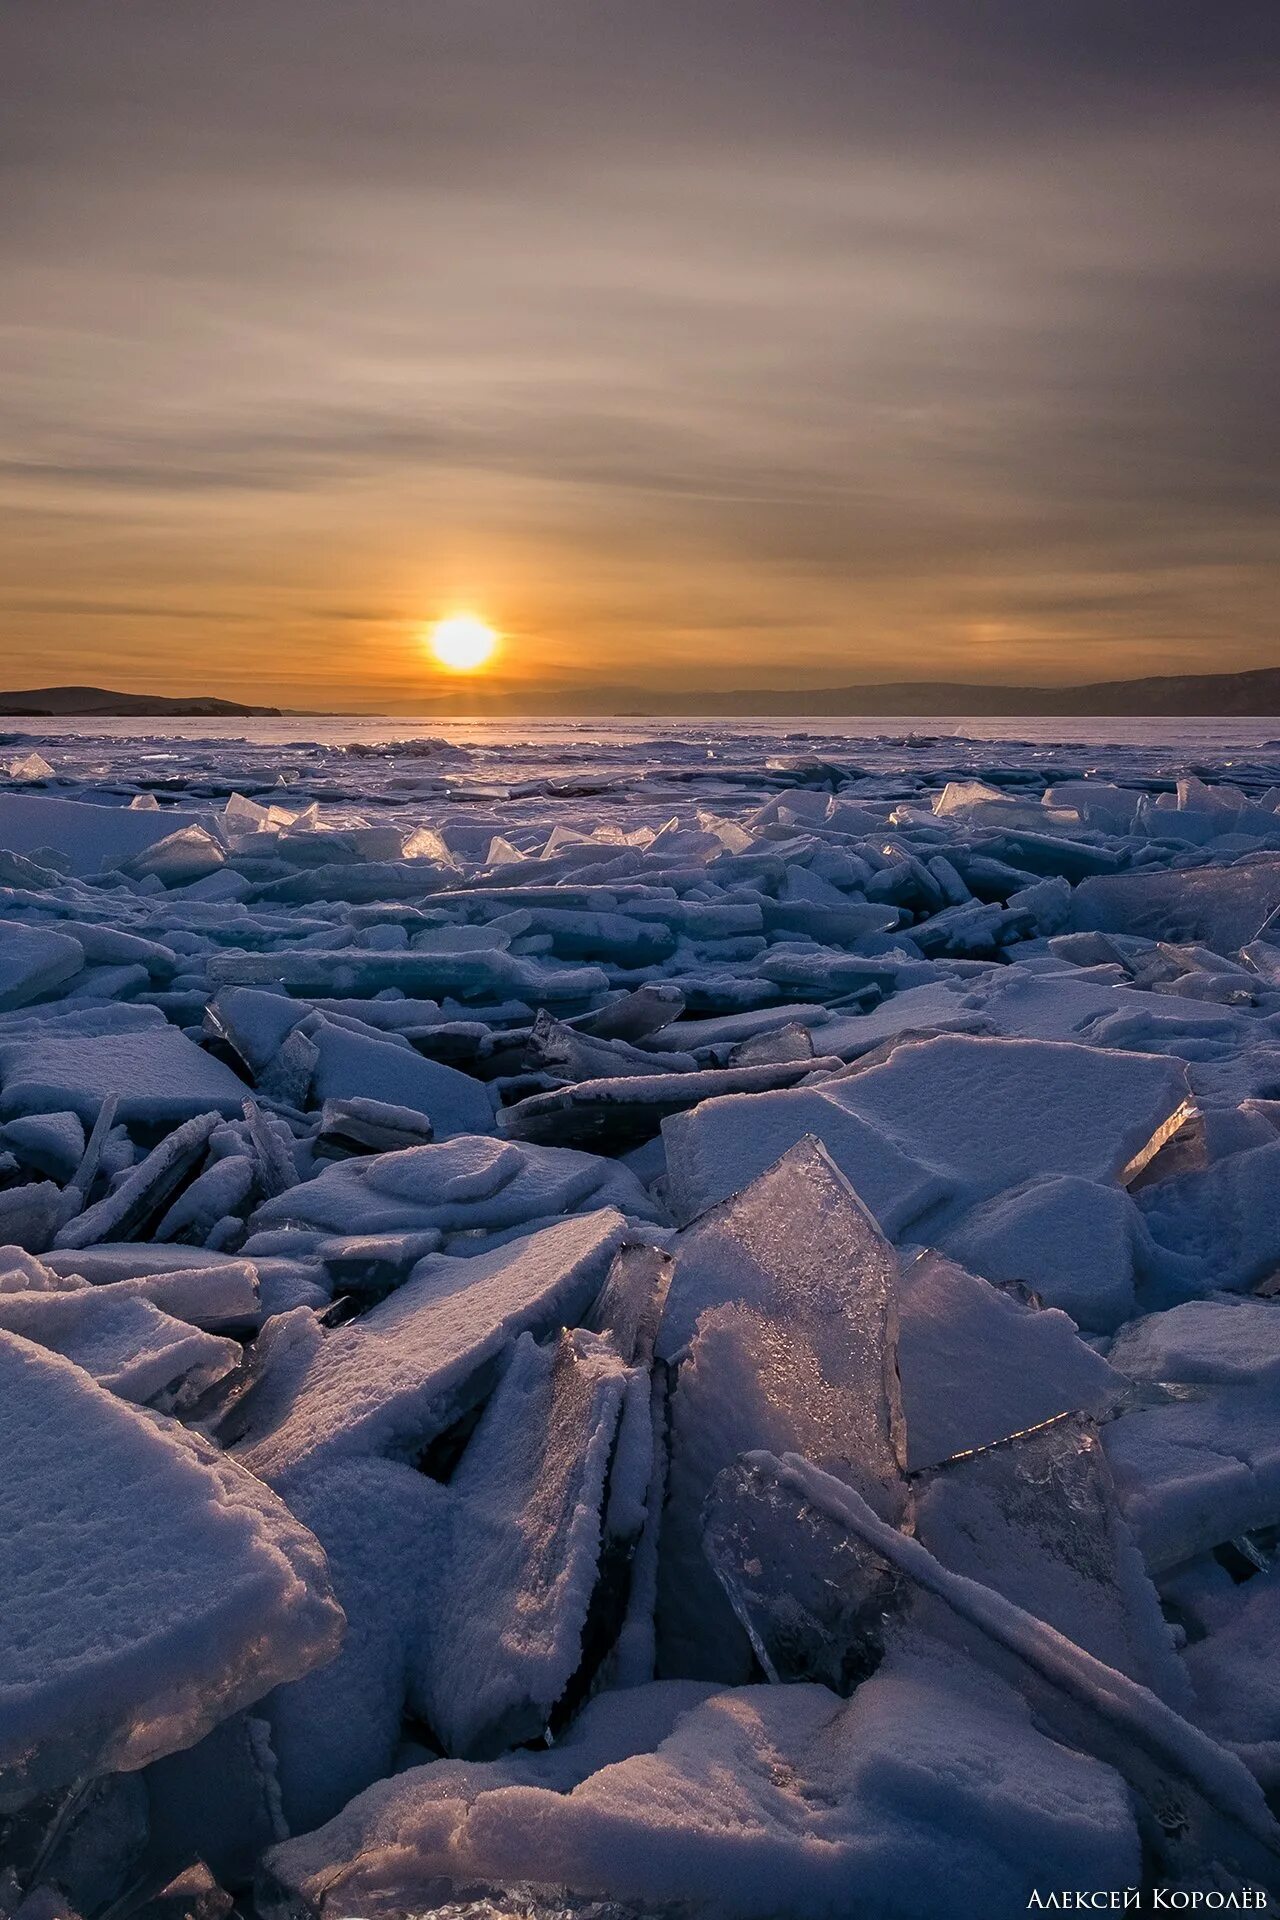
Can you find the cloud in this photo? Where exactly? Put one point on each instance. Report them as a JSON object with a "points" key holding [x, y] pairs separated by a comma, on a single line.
{"points": [[895, 328]]}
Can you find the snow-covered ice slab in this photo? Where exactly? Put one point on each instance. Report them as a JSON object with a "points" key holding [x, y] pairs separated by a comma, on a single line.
{"points": [[151, 1585], [383, 1527], [469, 1184], [1219, 1343], [928, 1792], [34, 961], [157, 1075], [391, 1381], [969, 1116], [718, 1147], [513, 1589], [1199, 1469], [125, 1341], [785, 1300], [353, 1066]]}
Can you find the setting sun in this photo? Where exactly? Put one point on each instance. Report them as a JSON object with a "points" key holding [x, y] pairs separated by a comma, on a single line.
{"points": [[462, 643]]}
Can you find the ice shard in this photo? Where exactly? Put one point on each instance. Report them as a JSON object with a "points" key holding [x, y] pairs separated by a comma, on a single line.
{"points": [[1036, 1518], [978, 1363], [513, 1591], [789, 1293]]}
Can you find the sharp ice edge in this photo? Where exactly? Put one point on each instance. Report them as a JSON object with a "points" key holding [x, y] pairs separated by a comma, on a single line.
{"points": [[420, 1210]]}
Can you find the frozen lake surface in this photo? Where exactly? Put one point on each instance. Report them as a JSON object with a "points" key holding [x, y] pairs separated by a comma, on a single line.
{"points": [[620, 1319]]}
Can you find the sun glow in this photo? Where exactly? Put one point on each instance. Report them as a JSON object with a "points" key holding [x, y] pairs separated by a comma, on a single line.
{"points": [[462, 643]]}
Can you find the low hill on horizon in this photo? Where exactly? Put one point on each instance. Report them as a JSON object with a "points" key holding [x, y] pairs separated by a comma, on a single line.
{"points": [[72, 702]]}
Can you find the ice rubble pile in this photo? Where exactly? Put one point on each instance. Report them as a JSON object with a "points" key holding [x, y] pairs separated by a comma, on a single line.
{"points": [[726, 1362]]}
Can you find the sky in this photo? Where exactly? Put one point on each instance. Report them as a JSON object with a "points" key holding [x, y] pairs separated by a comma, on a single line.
{"points": [[691, 344]]}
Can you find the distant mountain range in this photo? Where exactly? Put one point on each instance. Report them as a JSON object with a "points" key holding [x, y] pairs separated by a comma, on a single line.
{"points": [[69, 702], [1192, 695], [1188, 696]]}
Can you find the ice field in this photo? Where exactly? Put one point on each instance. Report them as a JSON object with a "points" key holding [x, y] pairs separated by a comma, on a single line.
{"points": [[605, 1320]]}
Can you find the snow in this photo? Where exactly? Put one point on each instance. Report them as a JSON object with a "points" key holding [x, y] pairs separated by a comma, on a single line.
{"points": [[391, 1381], [157, 1075], [151, 1585], [759, 1801], [433, 1171], [125, 1341]]}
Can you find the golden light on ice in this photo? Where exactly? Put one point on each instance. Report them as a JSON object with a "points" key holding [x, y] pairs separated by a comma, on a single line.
{"points": [[462, 643]]}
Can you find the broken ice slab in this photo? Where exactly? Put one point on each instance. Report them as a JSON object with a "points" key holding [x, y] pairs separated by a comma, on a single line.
{"points": [[1223, 907], [356, 971], [935, 1007], [1233, 1658], [1200, 1808], [209, 1290], [790, 1042], [144, 1191], [48, 1143], [351, 1066], [994, 1113], [1203, 1343], [812, 1599], [157, 1075], [631, 1302], [126, 1342], [92, 837], [1036, 1518], [373, 1126], [1215, 1229], [471, 1183], [31, 1213], [383, 1528], [635, 1015], [219, 1195], [217, 1801], [1201, 1468], [189, 854], [785, 1299], [953, 1120], [928, 1793], [391, 1381], [511, 1595], [174, 1589], [1071, 1241], [346, 1866], [569, 1054], [615, 1113], [977, 1363], [34, 961], [719, 1146], [253, 1022]]}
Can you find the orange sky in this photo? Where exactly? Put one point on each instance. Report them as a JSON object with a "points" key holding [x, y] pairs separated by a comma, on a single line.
{"points": [[692, 348]]}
